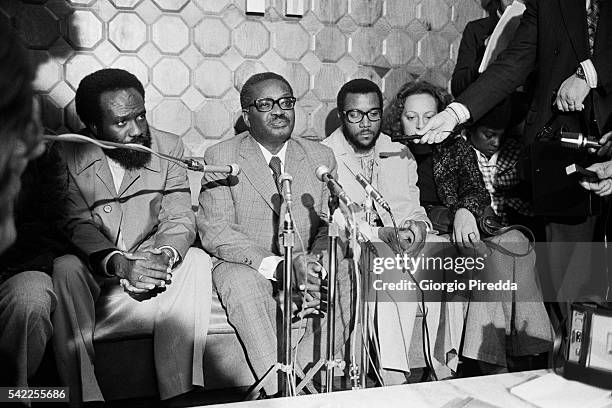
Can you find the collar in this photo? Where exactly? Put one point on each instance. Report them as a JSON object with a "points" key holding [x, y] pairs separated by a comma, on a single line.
{"points": [[267, 155], [484, 160]]}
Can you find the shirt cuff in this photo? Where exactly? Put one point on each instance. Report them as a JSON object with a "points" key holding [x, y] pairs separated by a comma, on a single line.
{"points": [[459, 112], [590, 73], [105, 262], [268, 266], [176, 257]]}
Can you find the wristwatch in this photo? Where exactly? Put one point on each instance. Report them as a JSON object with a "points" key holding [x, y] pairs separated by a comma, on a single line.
{"points": [[580, 73]]}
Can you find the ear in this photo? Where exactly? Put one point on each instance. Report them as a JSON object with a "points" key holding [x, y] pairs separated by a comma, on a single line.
{"points": [[245, 118]]}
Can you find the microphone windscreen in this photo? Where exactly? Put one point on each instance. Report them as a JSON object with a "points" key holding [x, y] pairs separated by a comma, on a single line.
{"points": [[321, 171]]}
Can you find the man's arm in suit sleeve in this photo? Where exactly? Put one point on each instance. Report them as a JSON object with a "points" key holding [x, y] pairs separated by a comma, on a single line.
{"points": [[508, 71], [221, 235], [176, 226], [80, 227], [466, 68]]}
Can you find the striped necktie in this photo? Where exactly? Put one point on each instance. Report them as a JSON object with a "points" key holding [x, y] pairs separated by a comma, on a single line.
{"points": [[592, 20]]}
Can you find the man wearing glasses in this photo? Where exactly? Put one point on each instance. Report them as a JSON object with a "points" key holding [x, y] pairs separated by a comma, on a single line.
{"points": [[361, 148], [241, 217]]}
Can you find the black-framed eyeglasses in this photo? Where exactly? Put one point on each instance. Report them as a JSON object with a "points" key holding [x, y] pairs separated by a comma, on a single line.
{"points": [[356, 116], [266, 104]]}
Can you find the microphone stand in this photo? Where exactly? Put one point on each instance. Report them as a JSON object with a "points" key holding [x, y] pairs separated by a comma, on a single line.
{"points": [[288, 382], [331, 363], [365, 311]]}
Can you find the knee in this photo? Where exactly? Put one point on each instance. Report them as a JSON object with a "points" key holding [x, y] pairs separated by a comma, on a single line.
{"points": [[240, 281], [31, 297], [199, 259], [68, 271]]}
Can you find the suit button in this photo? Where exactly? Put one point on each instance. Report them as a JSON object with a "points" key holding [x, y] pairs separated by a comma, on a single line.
{"points": [[107, 208], [556, 51]]}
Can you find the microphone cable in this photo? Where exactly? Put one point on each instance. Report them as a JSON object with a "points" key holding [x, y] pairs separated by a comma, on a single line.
{"points": [[424, 327]]}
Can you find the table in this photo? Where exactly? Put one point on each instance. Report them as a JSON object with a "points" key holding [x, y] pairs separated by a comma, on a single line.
{"points": [[493, 389]]}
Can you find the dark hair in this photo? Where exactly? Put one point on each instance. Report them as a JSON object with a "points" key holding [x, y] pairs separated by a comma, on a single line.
{"points": [[357, 86], [87, 100], [392, 124], [246, 93], [16, 98]]}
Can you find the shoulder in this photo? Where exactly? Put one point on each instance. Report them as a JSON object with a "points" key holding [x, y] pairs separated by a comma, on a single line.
{"points": [[226, 148], [165, 142], [315, 151]]}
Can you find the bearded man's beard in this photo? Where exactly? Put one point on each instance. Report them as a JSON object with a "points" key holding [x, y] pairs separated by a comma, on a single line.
{"points": [[131, 159]]}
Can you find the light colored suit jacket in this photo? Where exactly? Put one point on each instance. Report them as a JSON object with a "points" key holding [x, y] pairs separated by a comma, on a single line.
{"points": [[237, 214], [394, 176], [151, 209]]}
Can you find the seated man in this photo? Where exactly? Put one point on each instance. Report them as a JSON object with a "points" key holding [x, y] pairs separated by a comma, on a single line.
{"points": [[239, 219], [129, 214], [361, 148]]}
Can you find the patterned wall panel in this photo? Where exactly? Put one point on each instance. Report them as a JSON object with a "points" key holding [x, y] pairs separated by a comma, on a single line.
{"points": [[194, 55]]}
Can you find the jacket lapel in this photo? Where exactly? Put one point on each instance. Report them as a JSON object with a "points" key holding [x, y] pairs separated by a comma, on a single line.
{"points": [[256, 170], [574, 18]]}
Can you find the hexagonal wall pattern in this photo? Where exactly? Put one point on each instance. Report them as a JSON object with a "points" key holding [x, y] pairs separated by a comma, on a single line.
{"points": [[366, 12], [398, 47], [171, 76], [134, 65], [212, 6], [327, 82], [212, 36], [36, 25], [170, 5], [213, 119], [194, 55], [366, 45], [330, 44], [127, 32], [78, 67], [170, 34], [85, 29], [213, 78], [171, 116], [400, 12], [435, 13], [291, 41], [330, 11], [251, 39]]}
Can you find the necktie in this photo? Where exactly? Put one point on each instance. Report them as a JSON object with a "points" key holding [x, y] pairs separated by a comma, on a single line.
{"points": [[275, 165], [592, 20]]}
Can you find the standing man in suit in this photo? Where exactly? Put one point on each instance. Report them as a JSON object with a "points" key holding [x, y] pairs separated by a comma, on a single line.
{"points": [[130, 217], [569, 44], [240, 217]]}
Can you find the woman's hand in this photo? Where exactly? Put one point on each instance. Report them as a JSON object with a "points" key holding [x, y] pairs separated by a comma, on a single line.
{"points": [[465, 229]]}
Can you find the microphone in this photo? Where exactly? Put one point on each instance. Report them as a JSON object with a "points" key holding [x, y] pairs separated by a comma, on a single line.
{"points": [[194, 165], [372, 192], [325, 176], [285, 181]]}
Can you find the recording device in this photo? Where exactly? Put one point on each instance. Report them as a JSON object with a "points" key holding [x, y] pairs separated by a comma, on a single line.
{"points": [[584, 174], [589, 349], [285, 182], [543, 165], [194, 165], [336, 189], [577, 140]]}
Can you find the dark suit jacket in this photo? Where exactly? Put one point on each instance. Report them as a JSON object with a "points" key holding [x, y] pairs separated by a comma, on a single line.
{"points": [[237, 215], [471, 51], [552, 37]]}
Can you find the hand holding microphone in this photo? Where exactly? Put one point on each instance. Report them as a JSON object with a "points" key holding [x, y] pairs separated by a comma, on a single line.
{"points": [[603, 187]]}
